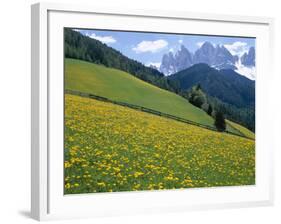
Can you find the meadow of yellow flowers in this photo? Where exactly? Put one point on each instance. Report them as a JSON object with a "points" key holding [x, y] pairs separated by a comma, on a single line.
{"points": [[110, 148]]}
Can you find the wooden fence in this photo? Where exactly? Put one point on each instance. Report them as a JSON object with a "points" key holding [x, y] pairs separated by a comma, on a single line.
{"points": [[151, 111]]}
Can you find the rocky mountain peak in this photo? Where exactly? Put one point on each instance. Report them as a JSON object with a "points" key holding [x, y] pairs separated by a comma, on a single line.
{"points": [[217, 57], [248, 59]]}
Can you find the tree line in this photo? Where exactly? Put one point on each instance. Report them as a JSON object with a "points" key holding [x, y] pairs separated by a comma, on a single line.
{"points": [[197, 97], [220, 110]]}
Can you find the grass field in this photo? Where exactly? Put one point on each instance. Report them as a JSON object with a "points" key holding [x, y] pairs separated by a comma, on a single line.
{"points": [[121, 86], [242, 129], [114, 148]]}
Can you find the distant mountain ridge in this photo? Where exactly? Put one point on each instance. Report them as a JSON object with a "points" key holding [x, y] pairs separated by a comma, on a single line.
{"points": [[226, 85], [217, 57], [227, 91], [174, 63]]}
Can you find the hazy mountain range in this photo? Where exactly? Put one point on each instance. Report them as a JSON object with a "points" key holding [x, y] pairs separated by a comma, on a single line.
{"points": [[217, 57]]}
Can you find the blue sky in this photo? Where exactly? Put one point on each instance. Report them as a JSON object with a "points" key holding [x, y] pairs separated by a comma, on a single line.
{"points": [[149, 48]]}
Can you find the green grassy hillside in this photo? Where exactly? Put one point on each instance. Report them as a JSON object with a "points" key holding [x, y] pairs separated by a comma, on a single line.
{"points": [[121, 86], [104, 152], [242, 129]]}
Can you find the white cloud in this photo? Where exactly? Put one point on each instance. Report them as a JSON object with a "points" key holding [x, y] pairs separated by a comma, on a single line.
{"points": [[155, 64], [104, 39], [150, 46], [237, 48]]}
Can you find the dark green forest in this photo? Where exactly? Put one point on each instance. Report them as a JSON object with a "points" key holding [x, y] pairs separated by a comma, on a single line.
{"points": [[225, 90]]}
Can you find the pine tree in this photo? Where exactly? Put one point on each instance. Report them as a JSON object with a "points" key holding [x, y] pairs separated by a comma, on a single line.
{"points": [[210, 110], [220, 121]]}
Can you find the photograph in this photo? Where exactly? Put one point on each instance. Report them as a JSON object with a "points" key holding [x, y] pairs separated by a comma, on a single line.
{"points": [[148, 111]]}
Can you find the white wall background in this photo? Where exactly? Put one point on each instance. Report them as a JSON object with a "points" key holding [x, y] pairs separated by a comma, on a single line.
{"points": [[15, 110]]}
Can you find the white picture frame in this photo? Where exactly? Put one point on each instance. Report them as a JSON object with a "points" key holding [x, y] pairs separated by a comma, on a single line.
{"points": [[47, 200]]}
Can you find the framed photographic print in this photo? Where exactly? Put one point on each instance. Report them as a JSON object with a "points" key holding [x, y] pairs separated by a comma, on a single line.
{"points": [[148, 111]]}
